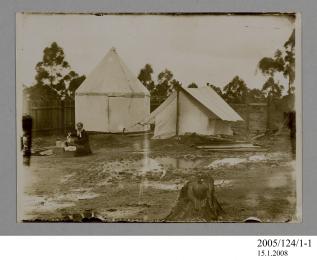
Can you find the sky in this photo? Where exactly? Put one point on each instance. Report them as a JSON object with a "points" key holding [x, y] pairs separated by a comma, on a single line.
{"points": [[200, 49]]}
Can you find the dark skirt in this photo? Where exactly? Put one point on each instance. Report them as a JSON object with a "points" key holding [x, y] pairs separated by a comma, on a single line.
{"points": [[82, 150]]}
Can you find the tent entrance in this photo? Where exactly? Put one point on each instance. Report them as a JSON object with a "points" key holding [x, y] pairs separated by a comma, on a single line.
{"points": [[118, 114]]}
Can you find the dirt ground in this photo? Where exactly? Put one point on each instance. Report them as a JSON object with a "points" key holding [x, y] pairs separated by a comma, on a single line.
{"points": [[135, 178]]}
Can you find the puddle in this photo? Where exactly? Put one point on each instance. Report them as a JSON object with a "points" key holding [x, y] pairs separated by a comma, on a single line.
{"points": [[226, 162], [146, 165], [121, 213], [162, 185], [268, 157], [180, 163], [150, 165], [42, 204], [84, 196], [170, 186], [160, 165], [257, 158], [229, 162], [223, 183], [77, 194]]}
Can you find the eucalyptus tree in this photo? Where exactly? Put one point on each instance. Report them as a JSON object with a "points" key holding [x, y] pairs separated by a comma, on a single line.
{"points": [[54, 72], [235, 91]]}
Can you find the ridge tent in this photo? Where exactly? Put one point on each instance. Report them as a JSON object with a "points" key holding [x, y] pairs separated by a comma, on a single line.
{"points": [[112, 99], [193, 110]]}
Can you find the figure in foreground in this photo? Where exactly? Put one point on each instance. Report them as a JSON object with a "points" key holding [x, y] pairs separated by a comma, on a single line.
{"points": [[78, 141], [197, 202]]}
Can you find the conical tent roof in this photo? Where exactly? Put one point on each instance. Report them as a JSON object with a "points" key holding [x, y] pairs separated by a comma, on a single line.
{"points": [[111, 77]]}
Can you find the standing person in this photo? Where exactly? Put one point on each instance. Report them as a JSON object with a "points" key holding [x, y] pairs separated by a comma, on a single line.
{"points": [[292, 128], [26, 139], [81, 140]]}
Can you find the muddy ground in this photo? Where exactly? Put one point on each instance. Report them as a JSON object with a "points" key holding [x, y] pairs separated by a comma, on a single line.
{"points": [[134, 178]]}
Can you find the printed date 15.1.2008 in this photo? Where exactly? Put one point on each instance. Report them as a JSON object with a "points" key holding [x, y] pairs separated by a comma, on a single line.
{"points": [[272, 252]]}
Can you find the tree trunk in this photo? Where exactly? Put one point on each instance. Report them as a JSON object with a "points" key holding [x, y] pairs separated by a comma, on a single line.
{"points": [[196, 203]]}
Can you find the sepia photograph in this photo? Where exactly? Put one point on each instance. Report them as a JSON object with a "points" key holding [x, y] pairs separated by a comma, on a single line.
{"points": [[159, 117]]}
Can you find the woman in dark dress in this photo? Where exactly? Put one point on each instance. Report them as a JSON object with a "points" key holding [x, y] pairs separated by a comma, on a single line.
{"points": [[81, 140]]}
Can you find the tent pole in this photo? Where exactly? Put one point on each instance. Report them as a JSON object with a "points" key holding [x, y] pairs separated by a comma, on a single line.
{"points": [[177, 111]]}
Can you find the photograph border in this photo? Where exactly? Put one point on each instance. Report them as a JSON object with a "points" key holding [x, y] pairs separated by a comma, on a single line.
{"points": [[10, 227]]}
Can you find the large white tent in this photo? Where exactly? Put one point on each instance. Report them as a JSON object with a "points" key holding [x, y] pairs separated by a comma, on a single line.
{"points": [[193, 110], [112, 99]]}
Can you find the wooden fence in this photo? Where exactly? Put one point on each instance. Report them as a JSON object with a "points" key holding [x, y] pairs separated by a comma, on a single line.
{"points": [[254, 116], [52, 117], [58, 116]]}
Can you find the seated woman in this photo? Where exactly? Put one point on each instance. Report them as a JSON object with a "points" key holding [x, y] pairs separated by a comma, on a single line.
{"points": [[80, 140]]}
